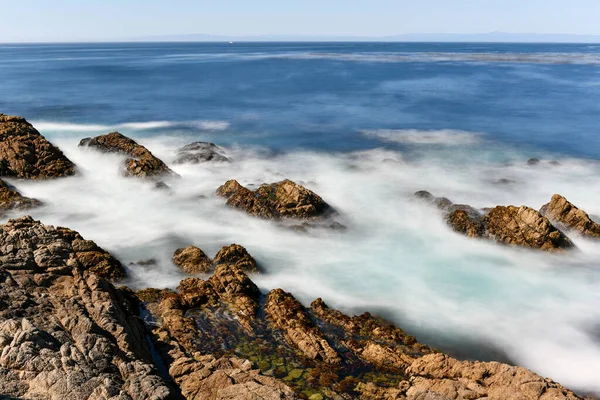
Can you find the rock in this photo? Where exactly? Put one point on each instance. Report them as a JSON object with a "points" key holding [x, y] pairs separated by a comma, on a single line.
{"points": [[533, 161], [199, 152], [65, 332], [524, 226], [564, 213], [25, 153], [141, 162], [144, 263], [284, 199], [26, 244], [192, 260], [11, 199]]}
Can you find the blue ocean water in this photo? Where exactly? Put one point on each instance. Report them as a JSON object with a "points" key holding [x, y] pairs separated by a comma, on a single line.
{"points": [[317, 95]]}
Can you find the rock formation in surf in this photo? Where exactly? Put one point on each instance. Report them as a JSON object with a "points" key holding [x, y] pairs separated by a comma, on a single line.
{"points": [[284, 199], [200, 152], [25, 153], [140, 162], [67, 332], [193, 260], [565, 214], [11, 199], [519, 226]]}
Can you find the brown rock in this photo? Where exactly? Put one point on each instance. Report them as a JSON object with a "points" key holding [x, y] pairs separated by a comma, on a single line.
{"points": [[284, 199], [287, 314], [192, 260], [468, 225], [524, 226], [566, 214], [25, 153], [238, 256], [141, 161], [11, 199]]}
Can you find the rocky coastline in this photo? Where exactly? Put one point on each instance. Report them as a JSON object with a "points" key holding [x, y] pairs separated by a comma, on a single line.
{"points": [[68, 329]]}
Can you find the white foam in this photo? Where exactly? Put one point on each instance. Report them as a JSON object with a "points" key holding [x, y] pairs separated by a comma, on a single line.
{"points": [[58, 127], [446, 137]]}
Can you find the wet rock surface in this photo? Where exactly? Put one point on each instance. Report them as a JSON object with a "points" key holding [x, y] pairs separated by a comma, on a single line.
{"points": [[285, 199], [565, 214], [25, 153], [141, 162], [194, 261], [11, 199], [200, 152], [519, 226]]}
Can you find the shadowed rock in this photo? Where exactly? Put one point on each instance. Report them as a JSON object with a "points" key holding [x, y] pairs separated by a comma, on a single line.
{"points": [[564, 213], [141, 161], [25, 153], [200, 152], [11, 199], [284, 199]]}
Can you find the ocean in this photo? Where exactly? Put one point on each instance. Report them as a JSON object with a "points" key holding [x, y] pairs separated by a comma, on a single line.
{"points": [[365, 125]]}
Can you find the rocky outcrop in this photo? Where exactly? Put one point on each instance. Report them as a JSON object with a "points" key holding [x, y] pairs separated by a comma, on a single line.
{"points": [[66, 332], [284, 199], [194, 261], [11, 199], [140, 162], [200, 152], [511, 225], [25, 153], [565, 214]]}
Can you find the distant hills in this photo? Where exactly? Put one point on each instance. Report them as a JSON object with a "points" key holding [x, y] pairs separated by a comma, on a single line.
{"points": [[491, 37]]}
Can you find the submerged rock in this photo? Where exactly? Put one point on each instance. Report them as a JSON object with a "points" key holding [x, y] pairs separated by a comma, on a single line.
{"points": [[141, 161], [25, 153], [199, 152], [284, 199], [11, 199], [511, 225], [194, 261], [564, 213]]}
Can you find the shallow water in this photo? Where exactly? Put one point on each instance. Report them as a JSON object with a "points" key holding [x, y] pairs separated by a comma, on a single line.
{"points": [[398, 257]]}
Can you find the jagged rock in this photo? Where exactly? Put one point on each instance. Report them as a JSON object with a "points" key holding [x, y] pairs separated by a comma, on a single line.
{"points": [[141, 161], [192, 260], [287, 314], [198, 152], [564, 213], [26, 244], [11, 199], [519, 226], [65, 332], [524, 226], [284, 199], [25, 153], [454, 379]]}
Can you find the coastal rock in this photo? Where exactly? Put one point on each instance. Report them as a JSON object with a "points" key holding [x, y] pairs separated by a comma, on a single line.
{"points": [[284, 199], [193, 260], [524, 226], [25, 153], [141, 162], [65, 332], [200, 152], [11, 199], [564, 213]]}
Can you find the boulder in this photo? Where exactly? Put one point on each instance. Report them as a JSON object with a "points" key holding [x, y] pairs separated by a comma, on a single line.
{"points": [[11, 199], [200, 152], [565, 214], [238, 256], [25, 153], [140, 162], [284, 199], [194, 261]]}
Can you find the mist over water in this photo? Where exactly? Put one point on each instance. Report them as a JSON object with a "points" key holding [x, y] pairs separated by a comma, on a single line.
{"points": [[364, 135]]}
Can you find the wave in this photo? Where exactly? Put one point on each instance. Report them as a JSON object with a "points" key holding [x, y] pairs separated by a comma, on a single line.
{"points": [[446, 137], [206, 125]]}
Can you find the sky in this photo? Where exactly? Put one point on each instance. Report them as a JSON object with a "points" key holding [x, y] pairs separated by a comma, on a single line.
{"points": [[79, 20]]}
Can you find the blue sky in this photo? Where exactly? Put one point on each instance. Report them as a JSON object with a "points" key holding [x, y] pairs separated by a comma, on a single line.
{"points": [[35, 20]]}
